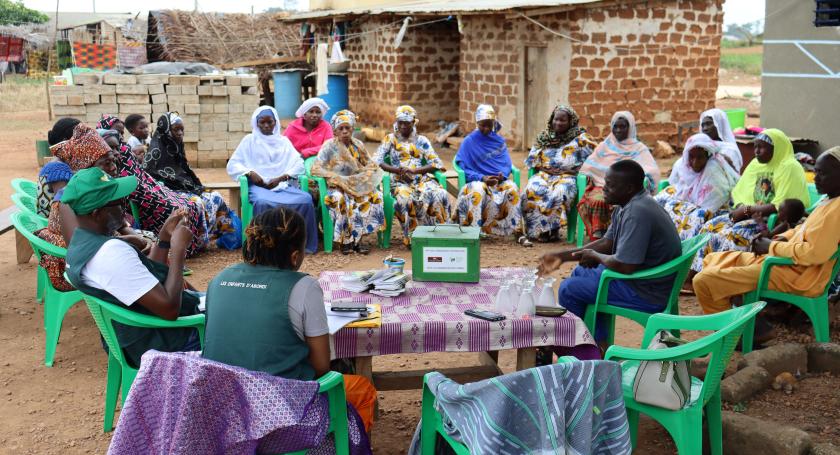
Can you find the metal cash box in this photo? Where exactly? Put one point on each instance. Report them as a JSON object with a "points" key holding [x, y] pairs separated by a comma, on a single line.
{"points": [[445, 252]]}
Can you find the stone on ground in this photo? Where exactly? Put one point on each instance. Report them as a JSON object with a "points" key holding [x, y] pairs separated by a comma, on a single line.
{"points": [[744, 434]]}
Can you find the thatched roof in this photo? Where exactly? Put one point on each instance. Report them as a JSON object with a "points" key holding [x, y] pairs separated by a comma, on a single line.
{"points": [[217, 38], [34, 34]]}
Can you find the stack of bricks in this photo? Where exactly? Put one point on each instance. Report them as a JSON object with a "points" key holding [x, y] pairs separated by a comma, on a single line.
{"points": [[216, 110]]}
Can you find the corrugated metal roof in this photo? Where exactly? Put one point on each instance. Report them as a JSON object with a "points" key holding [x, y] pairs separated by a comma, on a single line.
{"points": [[439, 6]]}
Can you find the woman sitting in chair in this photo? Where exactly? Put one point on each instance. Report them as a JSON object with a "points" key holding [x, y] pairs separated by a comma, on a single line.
{"points": [[699, 186], [166, 161], [620, 145], [773, 176], [355, 204], [558, 153], [715, 124], [272, 166], [412, 162], [276, 323], [309, 131], [489, 200]]}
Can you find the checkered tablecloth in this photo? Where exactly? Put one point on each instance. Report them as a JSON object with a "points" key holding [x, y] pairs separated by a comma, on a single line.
{"points": [[429, 317]]}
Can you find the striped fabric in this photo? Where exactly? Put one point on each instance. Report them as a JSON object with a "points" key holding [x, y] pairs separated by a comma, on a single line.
{"points": [[564, 408], [429, 317]]}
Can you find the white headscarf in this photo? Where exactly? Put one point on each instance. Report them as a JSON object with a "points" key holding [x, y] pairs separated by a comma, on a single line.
{"points": [[309, 104], [710, 188], [270, 156], [727, 143]]}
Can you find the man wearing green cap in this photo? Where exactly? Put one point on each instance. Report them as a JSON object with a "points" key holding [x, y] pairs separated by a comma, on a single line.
{"points": [[112, 270]]}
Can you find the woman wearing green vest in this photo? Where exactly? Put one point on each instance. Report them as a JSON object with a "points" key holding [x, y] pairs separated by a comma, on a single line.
{"points": [[264, 315]]}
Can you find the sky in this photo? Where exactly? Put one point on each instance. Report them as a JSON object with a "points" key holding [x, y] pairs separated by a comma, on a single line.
{"points": [[735, 11]]}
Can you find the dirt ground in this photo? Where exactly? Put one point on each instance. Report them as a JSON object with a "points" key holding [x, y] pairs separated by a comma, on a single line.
{"points": [[59, 409]]}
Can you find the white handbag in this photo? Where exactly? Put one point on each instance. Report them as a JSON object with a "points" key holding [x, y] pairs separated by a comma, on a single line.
{"points": [[665, 384]]}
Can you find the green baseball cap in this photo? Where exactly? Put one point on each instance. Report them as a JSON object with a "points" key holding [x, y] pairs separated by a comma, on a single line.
{"points": [[91, 188]]}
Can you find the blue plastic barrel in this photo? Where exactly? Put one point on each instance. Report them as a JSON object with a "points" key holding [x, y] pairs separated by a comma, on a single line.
{"points": [[287, 92], [337, 97]]}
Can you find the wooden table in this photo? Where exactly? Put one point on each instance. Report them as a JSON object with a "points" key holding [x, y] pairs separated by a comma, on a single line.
{"points": [[429, 317]]}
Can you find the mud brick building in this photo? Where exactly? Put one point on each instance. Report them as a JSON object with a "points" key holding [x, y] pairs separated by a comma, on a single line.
{"points": [[657, 58]]}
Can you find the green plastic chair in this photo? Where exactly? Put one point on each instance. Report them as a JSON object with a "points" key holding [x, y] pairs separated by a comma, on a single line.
{"points": [[247, 209], [678, 266], [27, 187], [120, 374], [515, 175], [389, 208], [686, 425], [332, 384], [26, 204], [572, 228], [56, 303], [431, 422], [329, 225], [815, 307]]}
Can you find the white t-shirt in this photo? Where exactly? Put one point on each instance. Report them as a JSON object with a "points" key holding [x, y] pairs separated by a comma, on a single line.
{"points": [[117, 270], [307, 312], [134, 142]]}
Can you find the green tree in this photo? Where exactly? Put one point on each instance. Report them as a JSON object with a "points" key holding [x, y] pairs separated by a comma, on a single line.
{"points": [[13, 12]]}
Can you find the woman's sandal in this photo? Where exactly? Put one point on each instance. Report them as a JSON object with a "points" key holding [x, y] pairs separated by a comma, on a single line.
{"points": [[347, 248], [361, 248], [523, 240]]}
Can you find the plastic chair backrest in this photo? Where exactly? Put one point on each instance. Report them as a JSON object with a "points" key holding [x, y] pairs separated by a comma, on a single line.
{"points": [[26, 203], [24, 186], [27, 224], [728, 327], [103, 320], [813, 194]]}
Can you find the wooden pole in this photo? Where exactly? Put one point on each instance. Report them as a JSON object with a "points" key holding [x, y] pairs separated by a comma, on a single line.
{"points": [[49, 61]]}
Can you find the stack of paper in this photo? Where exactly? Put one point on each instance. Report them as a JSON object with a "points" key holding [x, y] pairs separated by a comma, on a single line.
{"points": [[385, 282], [356, 281]]}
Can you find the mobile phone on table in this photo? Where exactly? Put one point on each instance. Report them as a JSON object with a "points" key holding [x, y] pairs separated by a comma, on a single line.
{"points": [[484, 314]]}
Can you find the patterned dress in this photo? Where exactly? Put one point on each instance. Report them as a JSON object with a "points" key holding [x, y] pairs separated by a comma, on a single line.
{"points": [[155, 202], [422, 202], [354, 215], [726, 236], [547, 198], [52, 264], [687, 217], [495, 209]]}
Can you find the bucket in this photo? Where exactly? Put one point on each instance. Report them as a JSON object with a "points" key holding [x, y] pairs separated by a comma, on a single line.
{"points": [[287, 92], [737, 117], [337, 97], [42, 152]]}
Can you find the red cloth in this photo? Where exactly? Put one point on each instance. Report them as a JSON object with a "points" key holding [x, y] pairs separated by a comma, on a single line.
{"points": [[308, 143], [11, 49], [95, 56]]}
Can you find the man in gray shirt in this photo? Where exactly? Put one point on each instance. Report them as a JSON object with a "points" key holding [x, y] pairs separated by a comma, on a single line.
{"points": [[641, 236]]}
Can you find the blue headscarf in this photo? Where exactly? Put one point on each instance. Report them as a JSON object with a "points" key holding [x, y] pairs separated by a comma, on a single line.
{"points": [[56, 171], [482, 155]]}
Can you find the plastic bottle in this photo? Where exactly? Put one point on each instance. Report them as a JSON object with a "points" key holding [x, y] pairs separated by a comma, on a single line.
{"points": [[527, 302], [547, 297]]}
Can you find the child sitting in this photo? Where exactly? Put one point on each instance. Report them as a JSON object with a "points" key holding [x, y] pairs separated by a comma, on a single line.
{"points": [[138, 141], [264, 315], [790, 214]]}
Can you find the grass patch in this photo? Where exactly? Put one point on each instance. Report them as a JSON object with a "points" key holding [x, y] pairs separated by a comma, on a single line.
{"points": [[19, 93], [735, 44], [747, 63]]}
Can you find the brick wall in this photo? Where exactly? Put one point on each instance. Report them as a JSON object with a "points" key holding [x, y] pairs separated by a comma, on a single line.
{"points": [[422, 72], [372, 77], [665, 71]]}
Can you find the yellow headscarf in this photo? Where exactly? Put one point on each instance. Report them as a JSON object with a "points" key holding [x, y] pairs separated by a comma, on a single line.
{"points": [[784, 174]]}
